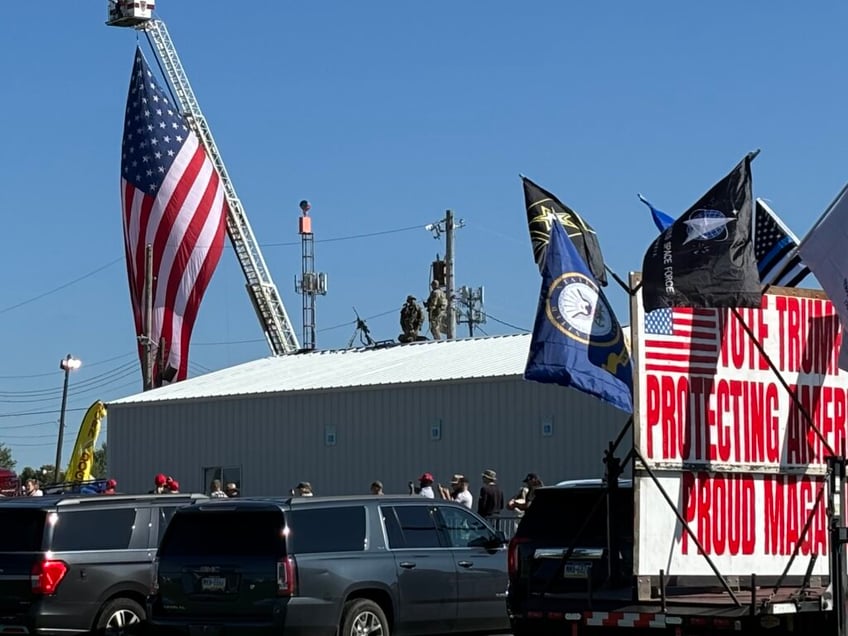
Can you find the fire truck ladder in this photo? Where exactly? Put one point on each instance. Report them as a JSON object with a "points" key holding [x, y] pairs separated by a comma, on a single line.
{"points": [[261, 289]]}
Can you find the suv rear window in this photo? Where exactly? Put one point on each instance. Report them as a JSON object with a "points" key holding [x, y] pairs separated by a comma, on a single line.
{"points": [[327, 530], [23, 530], [557, 514], [227, 533]]}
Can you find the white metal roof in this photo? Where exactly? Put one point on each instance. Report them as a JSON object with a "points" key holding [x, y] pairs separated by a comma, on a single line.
{"points": [[430, 361]]}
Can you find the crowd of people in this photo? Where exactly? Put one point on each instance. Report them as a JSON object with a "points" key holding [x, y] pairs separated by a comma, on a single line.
{"points": [[490, 499]]}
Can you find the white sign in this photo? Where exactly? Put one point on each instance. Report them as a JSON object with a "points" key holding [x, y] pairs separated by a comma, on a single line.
{"points": [[730, 445]]}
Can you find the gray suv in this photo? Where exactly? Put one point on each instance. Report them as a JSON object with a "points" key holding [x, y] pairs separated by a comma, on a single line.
{"points": [[74, 564], [329, 565]]}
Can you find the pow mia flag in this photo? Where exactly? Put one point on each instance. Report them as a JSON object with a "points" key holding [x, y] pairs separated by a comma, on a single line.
{"points": [[706, 257], [542, 206]]}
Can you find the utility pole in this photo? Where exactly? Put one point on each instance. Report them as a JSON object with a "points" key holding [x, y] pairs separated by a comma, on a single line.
{"points": [[473, 314], [449, 259], [146, 336], [448, 226]]}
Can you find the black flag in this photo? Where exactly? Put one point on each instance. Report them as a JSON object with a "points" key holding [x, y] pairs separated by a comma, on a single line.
{"points": [[706, 257], [541, 207]]}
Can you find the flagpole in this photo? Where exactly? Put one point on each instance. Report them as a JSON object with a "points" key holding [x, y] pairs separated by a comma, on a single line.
{"points": [[618, 280]]}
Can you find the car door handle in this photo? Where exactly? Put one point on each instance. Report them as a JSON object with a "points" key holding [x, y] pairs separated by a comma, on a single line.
{"points": [[407, 565], [465, 564]]}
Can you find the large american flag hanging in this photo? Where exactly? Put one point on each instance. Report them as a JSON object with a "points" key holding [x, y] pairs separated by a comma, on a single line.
{"points": [[172, 199]]}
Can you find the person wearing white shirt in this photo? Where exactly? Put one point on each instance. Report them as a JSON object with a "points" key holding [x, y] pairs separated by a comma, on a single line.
{"points": [[426, 486], [33, 488], [461, 493]]}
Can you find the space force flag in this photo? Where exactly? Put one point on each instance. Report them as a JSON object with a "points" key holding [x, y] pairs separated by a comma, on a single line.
{"points": [[577, 340], [706, 257], [824, 251], [542, 208]]}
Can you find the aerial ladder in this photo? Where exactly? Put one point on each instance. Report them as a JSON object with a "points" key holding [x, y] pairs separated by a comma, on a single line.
{"points": [[138, 14]]}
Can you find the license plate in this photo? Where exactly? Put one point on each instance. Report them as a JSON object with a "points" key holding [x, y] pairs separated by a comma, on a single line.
{"points": [[576, 570], [213, 583]]}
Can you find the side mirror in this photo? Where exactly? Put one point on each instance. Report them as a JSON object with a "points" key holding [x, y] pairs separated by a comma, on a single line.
{"points": [[498, 540]]}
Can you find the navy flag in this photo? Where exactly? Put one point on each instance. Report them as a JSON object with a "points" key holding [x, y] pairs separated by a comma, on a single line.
{"points": [[662, 220], [706, 257], [542, 208], [577, 340]]}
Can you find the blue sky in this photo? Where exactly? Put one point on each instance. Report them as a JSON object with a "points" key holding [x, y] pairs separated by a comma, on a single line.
{"points": [[383, 115]]}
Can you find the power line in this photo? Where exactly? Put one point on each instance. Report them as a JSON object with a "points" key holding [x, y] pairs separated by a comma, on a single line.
{"points": [[53, 373], [346, 238], [5, 427], [22, 413], [87, 383], [226, 342], [353, 322], [503, 322], [97, 270], [62, 286]]}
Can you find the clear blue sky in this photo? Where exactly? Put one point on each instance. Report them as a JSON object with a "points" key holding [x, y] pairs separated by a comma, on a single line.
{"points": [[384, 114]]}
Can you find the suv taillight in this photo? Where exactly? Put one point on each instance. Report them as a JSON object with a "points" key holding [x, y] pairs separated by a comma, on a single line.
{"points": [[154, 584], [512, 555], [46, 576], [286, 576]]}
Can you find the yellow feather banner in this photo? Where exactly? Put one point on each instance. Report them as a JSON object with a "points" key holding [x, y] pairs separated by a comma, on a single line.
{"points": [[82, 459]]}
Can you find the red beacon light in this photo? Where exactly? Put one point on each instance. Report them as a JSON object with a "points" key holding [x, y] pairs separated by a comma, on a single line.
{"points": [[305, 222]]}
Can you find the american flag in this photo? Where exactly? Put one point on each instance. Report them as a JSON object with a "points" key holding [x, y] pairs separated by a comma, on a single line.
{"points": [[776, 249], [172, 199], [682, 340]]}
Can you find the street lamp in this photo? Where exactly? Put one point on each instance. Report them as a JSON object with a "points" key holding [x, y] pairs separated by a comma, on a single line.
{"points": [[67, 364]]}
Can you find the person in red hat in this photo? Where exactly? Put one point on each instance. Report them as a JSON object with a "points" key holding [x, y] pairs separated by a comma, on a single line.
{"points": [[426, 486], [159, 482], [172, 486], [111, 485]]}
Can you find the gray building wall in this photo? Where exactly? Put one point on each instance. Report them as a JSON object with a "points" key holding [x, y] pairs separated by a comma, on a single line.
{"points": [[391, 433]]}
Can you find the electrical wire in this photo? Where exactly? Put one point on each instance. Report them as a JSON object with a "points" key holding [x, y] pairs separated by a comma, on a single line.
{"points": [[62, 286], [6, 427], [506, 324], [23, 413], [53, 373], [350, 237], [96, 380], [350, 323], [226, 342], [97, 270]]}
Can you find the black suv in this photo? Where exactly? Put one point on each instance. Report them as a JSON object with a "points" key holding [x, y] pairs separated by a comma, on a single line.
{"points": [[560, 554], [79, 563], [329, 565]]}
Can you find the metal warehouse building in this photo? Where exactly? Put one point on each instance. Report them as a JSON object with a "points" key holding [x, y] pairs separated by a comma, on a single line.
{"points": [[341, 419]]}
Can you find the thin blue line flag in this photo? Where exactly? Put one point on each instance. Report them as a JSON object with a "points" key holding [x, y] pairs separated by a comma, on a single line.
{"points": [[662, 220], [577, 340]]}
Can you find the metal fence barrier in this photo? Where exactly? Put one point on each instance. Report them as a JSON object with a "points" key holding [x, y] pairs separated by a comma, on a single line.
{"points": [[506, 523]]}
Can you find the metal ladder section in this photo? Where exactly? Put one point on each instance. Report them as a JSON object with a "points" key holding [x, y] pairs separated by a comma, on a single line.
{"points": [[261, 289]]}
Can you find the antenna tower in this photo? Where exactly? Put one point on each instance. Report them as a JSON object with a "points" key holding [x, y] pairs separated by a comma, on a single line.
{"points": [[311, 283]]}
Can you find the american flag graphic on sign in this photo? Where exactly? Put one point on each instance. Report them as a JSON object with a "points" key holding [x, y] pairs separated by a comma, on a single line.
{"points": [[682, 340], [172, 199]]}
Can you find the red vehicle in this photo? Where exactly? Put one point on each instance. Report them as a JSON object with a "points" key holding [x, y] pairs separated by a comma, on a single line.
{"points": [[10, 485]]}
